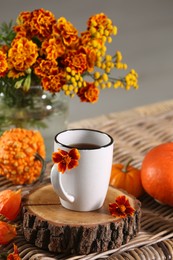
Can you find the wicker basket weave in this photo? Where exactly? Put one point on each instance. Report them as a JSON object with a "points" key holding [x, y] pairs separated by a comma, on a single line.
{"points": [[135, 132]]}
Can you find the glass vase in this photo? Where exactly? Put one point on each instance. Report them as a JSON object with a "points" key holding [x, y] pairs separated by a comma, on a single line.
{"points": [[38, 110]]}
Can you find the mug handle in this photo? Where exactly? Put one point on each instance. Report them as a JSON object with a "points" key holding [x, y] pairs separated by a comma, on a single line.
{"points": [[57, 185]]}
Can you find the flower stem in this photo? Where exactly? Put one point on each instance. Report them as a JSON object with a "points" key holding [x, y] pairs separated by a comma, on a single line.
{"points": [[125, 168]]}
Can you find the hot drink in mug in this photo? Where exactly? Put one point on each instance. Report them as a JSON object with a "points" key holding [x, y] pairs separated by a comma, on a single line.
{"points": [[84, 187]]}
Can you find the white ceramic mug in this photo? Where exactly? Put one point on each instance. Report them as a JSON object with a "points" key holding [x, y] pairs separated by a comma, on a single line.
{"points": [[84, 188]]}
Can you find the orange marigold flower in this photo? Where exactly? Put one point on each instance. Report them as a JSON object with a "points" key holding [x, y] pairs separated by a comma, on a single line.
{"points": [[38, 23], [87, 41], [17, 155], [121, 207], [97, 20], [66, 160], [76, 60], [90, 56], [4, 48], [100, 21], [7, 232], [3, 64], [15, 74], [23, 54], [22, 28], [53, 48], [90, 93], [24, 18], [85, 38], [10, 202], [66, 31], [15, 254], [53, 83], [46, 67], [91, 59], [20, 31]]}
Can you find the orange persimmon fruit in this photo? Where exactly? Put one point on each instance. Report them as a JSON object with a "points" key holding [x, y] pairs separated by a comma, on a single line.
{"points": [[127, 177], [7, 232], [157, 173], [10, 202]]}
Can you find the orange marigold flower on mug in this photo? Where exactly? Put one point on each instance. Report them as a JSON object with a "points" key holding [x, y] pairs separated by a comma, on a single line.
{"points": [[66, 160], [121, 207]]}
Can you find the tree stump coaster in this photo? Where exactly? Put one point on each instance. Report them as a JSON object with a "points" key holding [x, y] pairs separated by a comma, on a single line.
{"points": [[49, 226]]}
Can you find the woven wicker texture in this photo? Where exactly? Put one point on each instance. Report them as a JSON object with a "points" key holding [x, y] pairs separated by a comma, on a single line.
{"points": [[134, 132]]}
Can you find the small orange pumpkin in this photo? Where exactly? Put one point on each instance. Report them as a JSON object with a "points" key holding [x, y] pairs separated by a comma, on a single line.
{"points": [[128, 178], [17, 155], [157, 173]]}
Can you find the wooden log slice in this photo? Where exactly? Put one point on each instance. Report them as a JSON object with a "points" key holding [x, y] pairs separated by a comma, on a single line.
{"points": [[49, 226]]}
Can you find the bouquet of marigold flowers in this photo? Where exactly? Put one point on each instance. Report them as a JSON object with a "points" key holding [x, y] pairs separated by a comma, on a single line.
{"points": [[40, 49]]}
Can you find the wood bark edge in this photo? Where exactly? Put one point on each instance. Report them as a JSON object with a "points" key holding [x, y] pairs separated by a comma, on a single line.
{"points": [[79, 239]]}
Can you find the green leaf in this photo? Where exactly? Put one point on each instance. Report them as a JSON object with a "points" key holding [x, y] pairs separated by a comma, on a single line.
{"points": [[6, 33]]}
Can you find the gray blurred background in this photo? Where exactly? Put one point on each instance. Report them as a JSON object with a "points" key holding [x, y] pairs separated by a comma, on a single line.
{"points": [[145, 38]]}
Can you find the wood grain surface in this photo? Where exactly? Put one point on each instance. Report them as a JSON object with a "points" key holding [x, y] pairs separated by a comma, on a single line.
{"points": [[50, 226]]}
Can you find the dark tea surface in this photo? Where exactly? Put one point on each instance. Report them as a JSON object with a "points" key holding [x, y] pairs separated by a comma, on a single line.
{"points": [[85, 146]]}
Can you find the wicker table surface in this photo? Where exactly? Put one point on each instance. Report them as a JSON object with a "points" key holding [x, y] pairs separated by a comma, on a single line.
{"points": [[135, 132]]}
